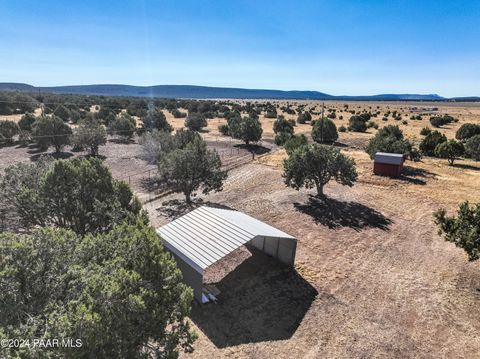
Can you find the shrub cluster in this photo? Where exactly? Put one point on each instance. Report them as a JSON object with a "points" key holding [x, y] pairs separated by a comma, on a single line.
{"points": [[439, 121], [283, 130], [467, 130], [431, 141], [358, 123], [8, 130], [324, 131], [390, 139], [304, 117]]}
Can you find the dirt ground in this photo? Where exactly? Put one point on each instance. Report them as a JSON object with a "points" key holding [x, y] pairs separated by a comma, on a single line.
{"points": [[373, 279]]}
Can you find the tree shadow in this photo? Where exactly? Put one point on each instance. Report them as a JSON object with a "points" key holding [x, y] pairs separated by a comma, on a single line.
{"points": [[54, 155], [270, 141], [100, 157], [77, 149], [175, 208], [214, 205], [121, 141], [23, 144], [260, 300], [35, 149], [335, 214], [256, 149], [340, 144], [466, 166], [415, 175]]}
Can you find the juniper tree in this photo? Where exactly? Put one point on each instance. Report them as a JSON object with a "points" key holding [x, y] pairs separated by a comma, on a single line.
{"points": [[123, 126], [78, 194], [324, 131], [155, 119], [450, 150], [462, 230], [119, 293], [191, 168], [195, 121], [315, 165], [90, 134], [51, 131]]}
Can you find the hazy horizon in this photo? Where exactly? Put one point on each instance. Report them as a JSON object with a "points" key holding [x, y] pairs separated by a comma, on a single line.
{"points": [[340, 48]]}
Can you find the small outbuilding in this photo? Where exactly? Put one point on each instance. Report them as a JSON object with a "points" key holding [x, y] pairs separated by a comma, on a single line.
{"points": [[205, 235], [388, 164]]}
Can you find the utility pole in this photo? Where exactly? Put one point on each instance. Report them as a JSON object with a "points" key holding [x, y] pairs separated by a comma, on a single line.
{"points": [[42, 105], [321, 119]]}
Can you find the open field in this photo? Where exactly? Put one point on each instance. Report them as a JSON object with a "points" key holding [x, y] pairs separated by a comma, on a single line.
{"points": [[465, 112], [373, 278]]}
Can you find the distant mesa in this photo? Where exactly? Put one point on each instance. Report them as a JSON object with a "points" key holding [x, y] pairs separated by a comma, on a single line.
{"points": [[206, 92]]}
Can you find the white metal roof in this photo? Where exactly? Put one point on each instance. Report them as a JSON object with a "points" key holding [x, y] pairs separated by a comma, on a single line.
{"points": [[389, 158], [206, 235]]}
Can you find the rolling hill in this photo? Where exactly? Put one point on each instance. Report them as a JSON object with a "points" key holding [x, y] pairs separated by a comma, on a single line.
{"points": [[205, 92]]}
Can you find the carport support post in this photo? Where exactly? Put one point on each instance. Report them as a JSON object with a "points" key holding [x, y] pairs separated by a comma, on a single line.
{"points": [[294, 253], [278, 248]]}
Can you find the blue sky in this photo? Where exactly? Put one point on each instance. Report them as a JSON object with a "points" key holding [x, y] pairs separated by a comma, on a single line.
{"points": [[338, 47]]}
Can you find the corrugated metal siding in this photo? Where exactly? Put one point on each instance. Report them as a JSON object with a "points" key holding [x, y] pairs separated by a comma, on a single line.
{"points": [[191, 277], [206, 235]]}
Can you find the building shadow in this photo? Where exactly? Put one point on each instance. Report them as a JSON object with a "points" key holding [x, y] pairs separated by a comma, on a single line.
{"points": [[335, 214], [260, 300], [415, 175]]}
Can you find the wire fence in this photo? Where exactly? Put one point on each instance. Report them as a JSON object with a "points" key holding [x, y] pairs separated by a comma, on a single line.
{"points": [[145, 183], [147, 186]]}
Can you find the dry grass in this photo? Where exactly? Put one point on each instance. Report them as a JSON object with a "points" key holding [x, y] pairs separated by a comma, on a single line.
{"points": [[373, 278], [465, 112], [17, 117]]}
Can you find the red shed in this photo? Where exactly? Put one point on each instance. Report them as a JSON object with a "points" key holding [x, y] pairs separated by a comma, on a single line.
{"points": [[388, 164]]}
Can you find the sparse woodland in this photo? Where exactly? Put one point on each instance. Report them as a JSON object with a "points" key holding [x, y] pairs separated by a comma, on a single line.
{"points": [[69, 195]]}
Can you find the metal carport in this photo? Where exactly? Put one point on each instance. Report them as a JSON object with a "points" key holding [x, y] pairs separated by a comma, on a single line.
{"points": [[206, 235]]}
